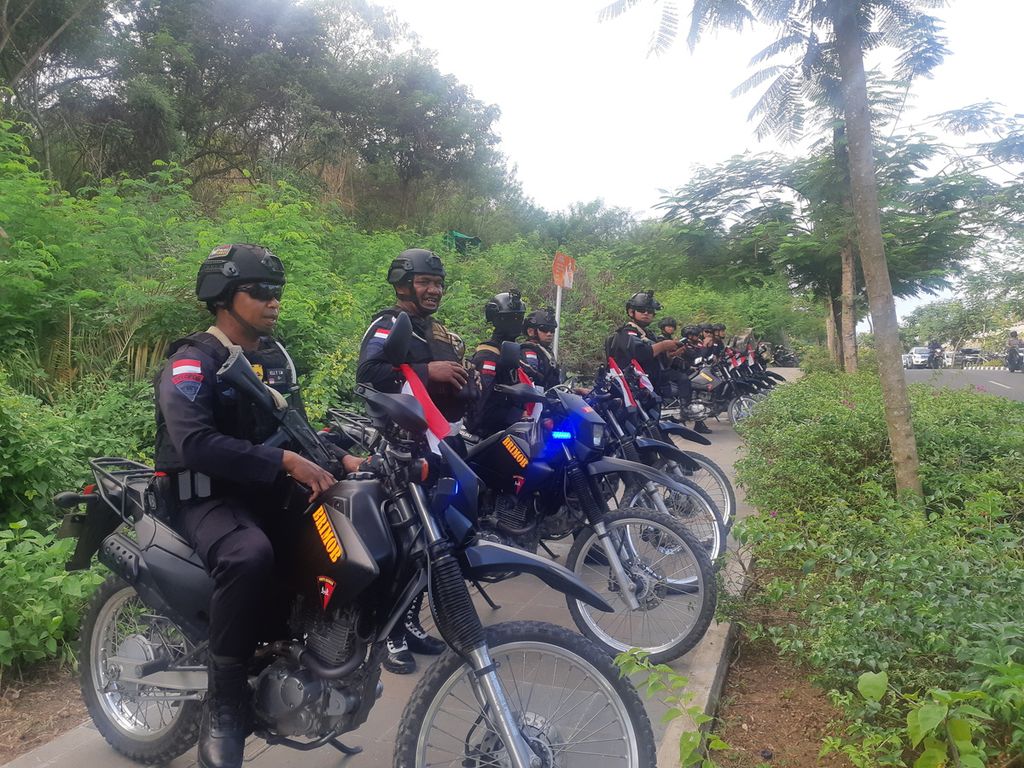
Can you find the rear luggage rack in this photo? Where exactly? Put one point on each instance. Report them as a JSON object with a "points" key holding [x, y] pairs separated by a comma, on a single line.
{"points": [[121, 483]]}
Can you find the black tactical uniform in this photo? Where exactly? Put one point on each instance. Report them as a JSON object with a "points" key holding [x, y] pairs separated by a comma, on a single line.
{"points": [[227, 486], [620, 347], [540, 360], [431, 342], [495, 411]]}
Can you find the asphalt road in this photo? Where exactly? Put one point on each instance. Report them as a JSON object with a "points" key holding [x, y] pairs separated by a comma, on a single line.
{"points": [[1002, 383]]}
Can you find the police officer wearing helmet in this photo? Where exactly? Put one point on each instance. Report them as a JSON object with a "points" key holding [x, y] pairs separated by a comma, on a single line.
{"points": [[221, 488], [537, 355], [436, 355], [494, 411], [667, 325], [622, 344]]}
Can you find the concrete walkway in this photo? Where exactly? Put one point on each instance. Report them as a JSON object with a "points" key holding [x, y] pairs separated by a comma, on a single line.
{"points": [[522, 598]]}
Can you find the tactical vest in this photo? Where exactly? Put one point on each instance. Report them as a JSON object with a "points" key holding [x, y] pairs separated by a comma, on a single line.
{"points": [[235, 414]]}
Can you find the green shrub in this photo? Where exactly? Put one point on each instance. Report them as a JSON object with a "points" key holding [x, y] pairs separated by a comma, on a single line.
{"points": [[42, 603], [870, 584]]}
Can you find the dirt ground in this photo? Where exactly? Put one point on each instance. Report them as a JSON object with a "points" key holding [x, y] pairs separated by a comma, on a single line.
{"points": [[36, 706], [771, 715]]}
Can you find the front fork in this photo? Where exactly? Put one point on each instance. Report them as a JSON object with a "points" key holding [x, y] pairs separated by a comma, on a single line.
{"points": [[595, 508], [460, 626]]}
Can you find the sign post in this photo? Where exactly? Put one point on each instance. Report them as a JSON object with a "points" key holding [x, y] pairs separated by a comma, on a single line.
{"points": [[562, 270]]}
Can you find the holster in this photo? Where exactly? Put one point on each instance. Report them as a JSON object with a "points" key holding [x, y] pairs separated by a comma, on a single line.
{"points": [[161, 498]]}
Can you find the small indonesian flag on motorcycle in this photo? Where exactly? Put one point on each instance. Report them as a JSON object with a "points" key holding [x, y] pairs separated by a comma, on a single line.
{"points": [[532, 410], [438, 426], [645, 380], [616, 374]]}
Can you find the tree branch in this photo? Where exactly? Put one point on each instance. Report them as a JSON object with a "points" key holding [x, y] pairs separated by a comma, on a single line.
{"points": [[48, 42]]}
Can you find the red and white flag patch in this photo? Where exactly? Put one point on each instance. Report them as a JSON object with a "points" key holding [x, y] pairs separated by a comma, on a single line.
{"points": [[381, 333], [489, 366], [187, 376]]}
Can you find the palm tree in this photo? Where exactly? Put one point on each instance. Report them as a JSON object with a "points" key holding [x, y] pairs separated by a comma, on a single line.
{"points": [[829, 38]]}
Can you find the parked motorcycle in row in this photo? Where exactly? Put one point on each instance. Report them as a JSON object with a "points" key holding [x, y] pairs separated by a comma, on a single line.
{"points": [[357, 558]]}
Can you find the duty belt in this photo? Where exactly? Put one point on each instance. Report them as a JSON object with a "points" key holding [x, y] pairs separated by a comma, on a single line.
{"points": [[193, 485]]}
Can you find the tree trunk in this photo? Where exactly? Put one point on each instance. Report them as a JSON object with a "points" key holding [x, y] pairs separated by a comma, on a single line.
{"points": [[835, 345], [849, 316], [872, 251]]}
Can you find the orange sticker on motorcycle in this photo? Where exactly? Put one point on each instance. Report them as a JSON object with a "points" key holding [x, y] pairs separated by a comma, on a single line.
{"points": [[516, 454], [327, 534]]}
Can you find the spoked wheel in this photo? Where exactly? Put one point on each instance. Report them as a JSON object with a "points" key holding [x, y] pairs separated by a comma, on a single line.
{"points": [[696, 511], [712, 479], [569, 701], [672, 579], [740, 408], [146, 724]]}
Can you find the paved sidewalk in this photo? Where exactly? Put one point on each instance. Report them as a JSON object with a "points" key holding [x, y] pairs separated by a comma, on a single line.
{"points": [[522, 598]]}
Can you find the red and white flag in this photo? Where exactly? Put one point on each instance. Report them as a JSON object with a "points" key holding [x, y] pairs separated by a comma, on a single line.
{"points": [[532, 410], [616, 374], [438, 427], [645, 380]]}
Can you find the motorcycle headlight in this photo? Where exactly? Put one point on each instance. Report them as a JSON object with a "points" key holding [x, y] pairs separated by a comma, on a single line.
{"points": [[596, 435]]}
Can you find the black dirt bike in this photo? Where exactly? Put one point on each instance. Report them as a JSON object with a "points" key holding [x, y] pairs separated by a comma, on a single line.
{"points": [[522, 694]]}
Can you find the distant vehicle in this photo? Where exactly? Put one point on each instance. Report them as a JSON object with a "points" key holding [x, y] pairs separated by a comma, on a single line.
{"points": [[906, 359], [919, 357], [972, 356]]}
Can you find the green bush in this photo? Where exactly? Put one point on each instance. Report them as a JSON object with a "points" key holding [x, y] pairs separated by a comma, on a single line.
{"points": [[860, 582], [42, 603]]}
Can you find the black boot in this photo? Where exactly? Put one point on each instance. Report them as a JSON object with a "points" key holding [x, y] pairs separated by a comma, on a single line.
{"points": [[701, 428], [399, 661], [416, 637], [225, 721]]}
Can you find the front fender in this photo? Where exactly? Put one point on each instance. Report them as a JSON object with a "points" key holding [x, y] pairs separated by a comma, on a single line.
{"points": [[487, 558], [666, 451], [609, 465], [684, 432]]}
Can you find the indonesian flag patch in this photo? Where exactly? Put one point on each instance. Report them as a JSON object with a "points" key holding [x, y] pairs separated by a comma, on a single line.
{"points": [[187, 376], [531, 356], [382, 333], [489, 366]]}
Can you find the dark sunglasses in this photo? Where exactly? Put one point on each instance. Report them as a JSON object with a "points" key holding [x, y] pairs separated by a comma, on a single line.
{"points": [[546, 328], [263, 291]]}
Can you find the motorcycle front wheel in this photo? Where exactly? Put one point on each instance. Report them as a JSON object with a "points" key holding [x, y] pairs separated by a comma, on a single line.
{"points": [[740, 408], [672, 578], [145, 724], [571, 704]]}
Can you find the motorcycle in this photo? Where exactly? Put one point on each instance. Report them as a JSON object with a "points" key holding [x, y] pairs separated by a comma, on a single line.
{"points": [[1013, 359], [359, 556], [547, 478]]}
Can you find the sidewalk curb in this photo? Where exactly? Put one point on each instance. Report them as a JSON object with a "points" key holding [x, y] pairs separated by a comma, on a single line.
{"points": [[985, 368], [717, 645]]}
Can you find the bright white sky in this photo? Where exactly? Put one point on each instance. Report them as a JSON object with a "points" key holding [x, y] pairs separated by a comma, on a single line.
{"points": [[586, 114]]}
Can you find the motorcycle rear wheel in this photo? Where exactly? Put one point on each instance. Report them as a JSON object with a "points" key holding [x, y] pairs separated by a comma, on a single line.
{"points": [[674, 582], [569, 700], [144, 730]]}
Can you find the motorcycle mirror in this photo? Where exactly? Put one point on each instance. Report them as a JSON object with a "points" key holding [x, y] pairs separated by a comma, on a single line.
{"points": [[510, 352], [396, 348]]}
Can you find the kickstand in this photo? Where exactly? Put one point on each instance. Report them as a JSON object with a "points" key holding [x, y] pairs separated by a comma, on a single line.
{"points": [[344, 748], [546, 549], [485, 596]]}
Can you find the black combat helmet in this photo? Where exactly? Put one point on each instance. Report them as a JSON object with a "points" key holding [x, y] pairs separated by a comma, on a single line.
{"points": [[415, 261], [690, 330], [643, 301], [505, 312], [667, 321], [229, 266], [541, 318]]}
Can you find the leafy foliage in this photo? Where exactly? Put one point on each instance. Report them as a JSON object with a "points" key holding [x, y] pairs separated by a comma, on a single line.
{"points": [[862, 582]]}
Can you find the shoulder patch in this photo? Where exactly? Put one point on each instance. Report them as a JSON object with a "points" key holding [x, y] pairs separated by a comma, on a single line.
{"points": [[187, 377]]}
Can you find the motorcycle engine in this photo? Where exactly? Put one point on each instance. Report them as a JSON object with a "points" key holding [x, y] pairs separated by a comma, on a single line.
{"points": [[515, 522], [292, 701]]}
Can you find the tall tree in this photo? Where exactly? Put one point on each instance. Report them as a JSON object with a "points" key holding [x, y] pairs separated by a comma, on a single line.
{"points": [[839, 31]]}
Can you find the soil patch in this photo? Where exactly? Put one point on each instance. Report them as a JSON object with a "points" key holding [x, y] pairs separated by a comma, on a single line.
{"points": [[772, 715], [36, 706]]}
